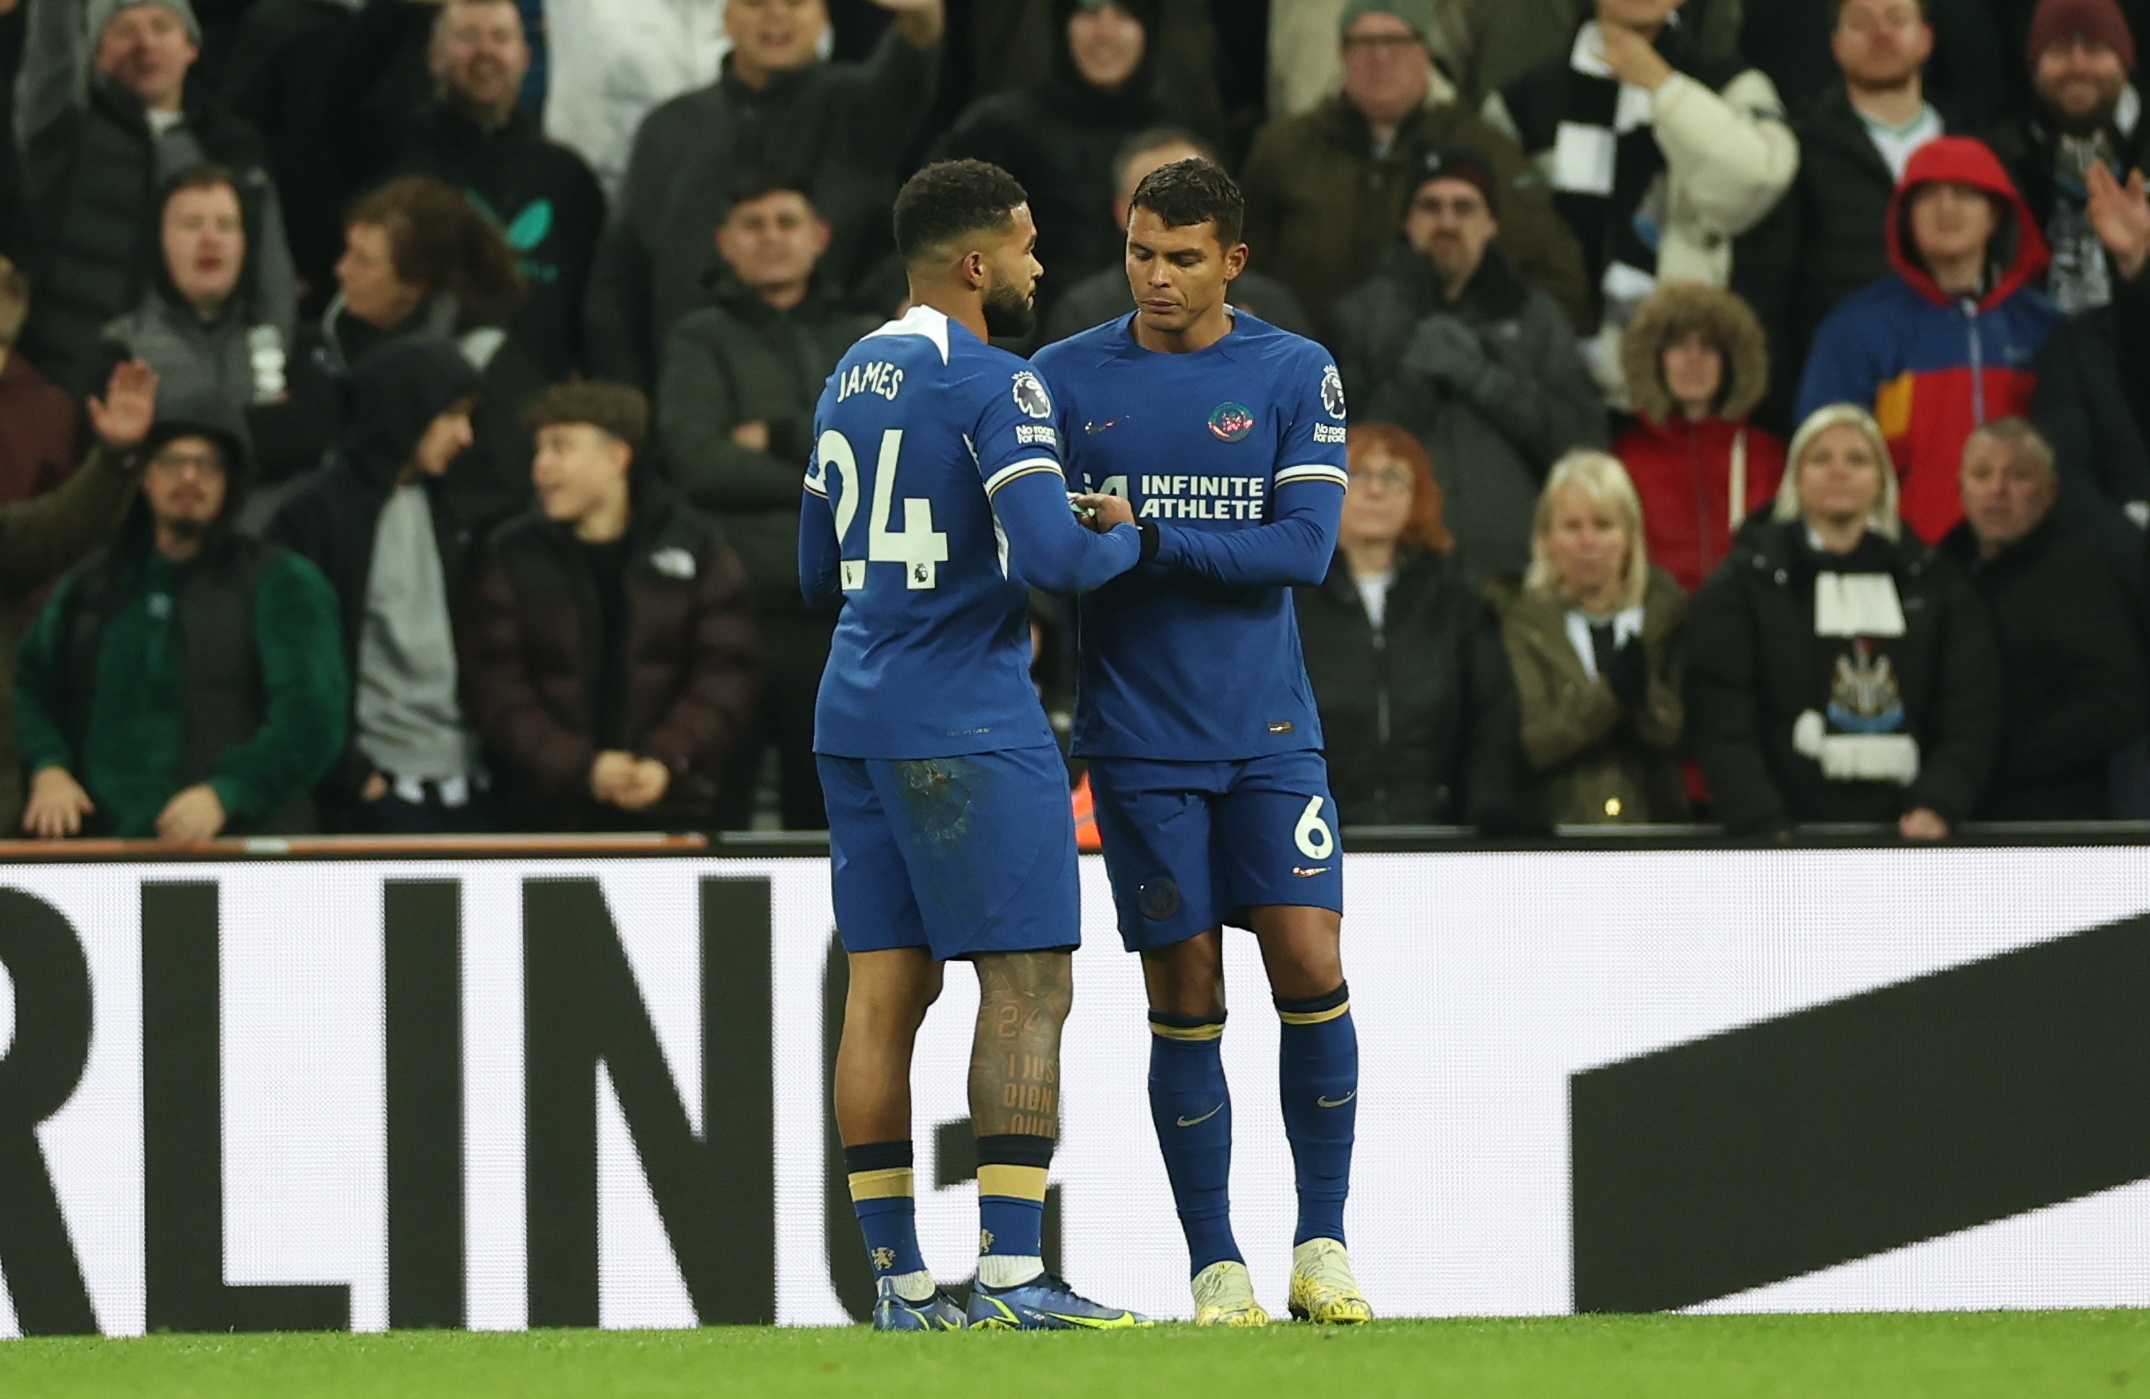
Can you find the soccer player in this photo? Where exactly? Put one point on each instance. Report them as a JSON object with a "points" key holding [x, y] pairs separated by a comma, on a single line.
{"points": [[1194, 710], [934, 501]]}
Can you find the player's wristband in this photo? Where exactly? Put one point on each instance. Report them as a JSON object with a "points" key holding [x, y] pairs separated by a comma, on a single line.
{"points": [[1150, 540]]}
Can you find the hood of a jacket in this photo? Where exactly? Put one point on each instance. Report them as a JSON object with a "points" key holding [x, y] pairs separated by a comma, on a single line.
{"points": [[1671, 311], [2018, 252], [397, 390], [138, 532], [1076, 97]]}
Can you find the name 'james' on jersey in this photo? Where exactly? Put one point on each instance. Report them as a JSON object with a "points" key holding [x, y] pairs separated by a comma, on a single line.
{"points": [[1236, 451], [934, 500]]}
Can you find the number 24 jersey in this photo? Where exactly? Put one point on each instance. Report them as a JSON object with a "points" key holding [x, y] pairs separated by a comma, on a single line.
{"points": [[934, 501]]}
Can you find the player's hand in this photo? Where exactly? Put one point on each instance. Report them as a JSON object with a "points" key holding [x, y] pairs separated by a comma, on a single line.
{"points": [[57, 805], [1922, 824], [753, 436], [609, 773], [2120, 216], [195, 814], [1632, 58], [1103, 512], [123, 416], [645, 786]]}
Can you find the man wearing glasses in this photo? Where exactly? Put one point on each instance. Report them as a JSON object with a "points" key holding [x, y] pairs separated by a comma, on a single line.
{"points": [[187, 681]]}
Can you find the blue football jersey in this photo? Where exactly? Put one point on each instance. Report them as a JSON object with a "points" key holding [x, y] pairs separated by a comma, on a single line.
{"points": [[934, 501], [1237, 453]]}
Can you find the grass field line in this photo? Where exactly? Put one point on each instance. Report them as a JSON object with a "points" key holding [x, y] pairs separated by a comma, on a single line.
{"points": [[1948, 1355]]}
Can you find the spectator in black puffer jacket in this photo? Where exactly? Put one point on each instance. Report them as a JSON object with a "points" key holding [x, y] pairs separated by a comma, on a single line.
{"points": [[1838, 669], [2073, 682], [1416, 697], [93, 176]]}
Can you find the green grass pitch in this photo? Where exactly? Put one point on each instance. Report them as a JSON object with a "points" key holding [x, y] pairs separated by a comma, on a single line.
{"points": [[1904, 1356]]}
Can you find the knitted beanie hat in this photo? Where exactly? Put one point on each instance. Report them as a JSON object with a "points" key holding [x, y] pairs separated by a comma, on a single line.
{"points": [[2098, 21]]}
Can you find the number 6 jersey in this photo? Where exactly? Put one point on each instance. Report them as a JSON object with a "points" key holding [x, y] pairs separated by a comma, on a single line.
{"points": [[934, 501], [1237, 452]]}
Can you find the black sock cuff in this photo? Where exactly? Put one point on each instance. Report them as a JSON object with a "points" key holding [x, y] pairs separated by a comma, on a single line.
{"points": [[1184, 1022], [1015, 1149], [877, 1156], [1312, 1005]]}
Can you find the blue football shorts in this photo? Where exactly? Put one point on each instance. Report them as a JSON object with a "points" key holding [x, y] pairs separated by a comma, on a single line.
{"points": [[960, 855], [1193, 846]]}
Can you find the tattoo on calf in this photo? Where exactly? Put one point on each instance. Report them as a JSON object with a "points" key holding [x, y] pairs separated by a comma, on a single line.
{"points": [[1023, 1000]]}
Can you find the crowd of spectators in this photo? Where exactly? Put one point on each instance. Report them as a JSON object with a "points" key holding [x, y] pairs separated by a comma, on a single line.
{"points": [[403, 403]]}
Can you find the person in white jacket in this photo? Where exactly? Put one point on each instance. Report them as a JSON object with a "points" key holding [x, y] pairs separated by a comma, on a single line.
{"points": [[1658, 156], [612, 61]]}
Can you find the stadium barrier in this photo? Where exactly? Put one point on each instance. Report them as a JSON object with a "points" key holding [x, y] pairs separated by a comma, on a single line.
{"points": [[329, 1085]]}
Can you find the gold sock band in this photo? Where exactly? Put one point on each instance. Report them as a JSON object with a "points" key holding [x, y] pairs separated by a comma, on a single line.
{"points": [[1312, 1017], [1212, 1031], [881, 1185], [1012, 1182]]}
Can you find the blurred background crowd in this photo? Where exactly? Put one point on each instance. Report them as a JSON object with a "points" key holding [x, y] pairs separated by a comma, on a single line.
{"points": [[403, 403]]}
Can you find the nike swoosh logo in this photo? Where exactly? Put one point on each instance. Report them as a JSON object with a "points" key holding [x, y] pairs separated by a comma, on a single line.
{"points": [[1324, 1102], [1198, 1121], [1096, 1323], [1094, 428], [1309, 873]]}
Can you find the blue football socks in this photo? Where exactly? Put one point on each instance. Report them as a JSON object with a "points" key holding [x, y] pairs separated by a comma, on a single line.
{"points": [[1318, 1079], [1011, 1207], [1193, 1112], [881, 1196]]}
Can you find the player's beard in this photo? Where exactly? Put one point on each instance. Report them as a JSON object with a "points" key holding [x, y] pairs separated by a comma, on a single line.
{"points": [[1008, 313]]}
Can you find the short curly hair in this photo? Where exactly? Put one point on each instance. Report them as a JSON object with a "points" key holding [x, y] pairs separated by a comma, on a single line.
{"points": [[951, 200], [440, 242]]}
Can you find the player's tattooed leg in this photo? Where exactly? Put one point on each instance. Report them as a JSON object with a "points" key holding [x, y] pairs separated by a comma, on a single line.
{"points": [[1023, 1000]]}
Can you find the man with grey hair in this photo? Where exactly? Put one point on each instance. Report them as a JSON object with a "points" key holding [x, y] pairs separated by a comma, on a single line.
{"points": [[94, 167], [2074, 682]]}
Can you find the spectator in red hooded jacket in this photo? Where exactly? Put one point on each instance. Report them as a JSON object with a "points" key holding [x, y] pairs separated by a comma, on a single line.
{"points": [[1696, 364], [1950, 341]]}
